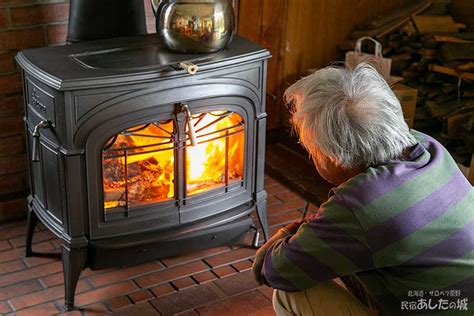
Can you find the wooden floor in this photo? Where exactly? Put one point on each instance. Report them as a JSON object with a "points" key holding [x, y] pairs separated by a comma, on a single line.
{"points": [[211, 282]]}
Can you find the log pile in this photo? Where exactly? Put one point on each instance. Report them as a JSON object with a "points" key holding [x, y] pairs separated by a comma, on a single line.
{"points": [[434, 54]]}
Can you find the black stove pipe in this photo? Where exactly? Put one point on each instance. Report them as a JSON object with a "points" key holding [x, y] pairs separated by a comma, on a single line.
{"points": [[99, 19]]}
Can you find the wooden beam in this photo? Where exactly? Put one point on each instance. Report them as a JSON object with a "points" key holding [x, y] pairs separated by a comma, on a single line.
{"points": [[451, 72], [396, 14], [432, 24], [450, 39]]}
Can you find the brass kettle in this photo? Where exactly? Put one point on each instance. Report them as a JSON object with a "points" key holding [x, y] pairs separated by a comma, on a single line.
{"points": [[194, 26]]}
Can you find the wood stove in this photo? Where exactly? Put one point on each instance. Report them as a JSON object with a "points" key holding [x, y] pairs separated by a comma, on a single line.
{"points": [[132, 158]]}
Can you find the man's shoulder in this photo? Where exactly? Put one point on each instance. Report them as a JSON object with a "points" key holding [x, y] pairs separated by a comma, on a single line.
{"points": [[427, 169]]}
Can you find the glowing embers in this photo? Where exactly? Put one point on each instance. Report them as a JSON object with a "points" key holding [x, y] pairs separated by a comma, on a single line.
{"points": [[138, 166], [218, 159]]}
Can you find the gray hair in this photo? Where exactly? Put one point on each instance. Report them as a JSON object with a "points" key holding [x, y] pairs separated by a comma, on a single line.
{"points": [[349, 115]]}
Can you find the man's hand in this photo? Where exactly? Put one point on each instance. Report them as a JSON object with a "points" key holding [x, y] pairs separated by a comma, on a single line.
{"points": [[262, 251]]}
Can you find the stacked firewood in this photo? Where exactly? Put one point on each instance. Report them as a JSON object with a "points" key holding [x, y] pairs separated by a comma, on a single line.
{"points": [[435, 55]]}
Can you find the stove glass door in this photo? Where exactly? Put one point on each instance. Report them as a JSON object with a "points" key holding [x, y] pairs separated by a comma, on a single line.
{"points": [[138, 166], [218, 158], [141, 165]]}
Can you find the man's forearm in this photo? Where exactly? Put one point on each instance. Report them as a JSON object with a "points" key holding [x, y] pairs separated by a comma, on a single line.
{"points": [[260, 255]]}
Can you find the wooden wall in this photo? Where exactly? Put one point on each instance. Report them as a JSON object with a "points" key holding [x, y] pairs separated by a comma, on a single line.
{"points": [[301, 34]]}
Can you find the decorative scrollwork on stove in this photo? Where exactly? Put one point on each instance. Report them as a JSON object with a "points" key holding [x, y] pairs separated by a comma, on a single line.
{"points": [[36, 100]]}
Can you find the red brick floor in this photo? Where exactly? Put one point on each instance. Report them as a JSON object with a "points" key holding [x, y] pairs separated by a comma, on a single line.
{"points": [[211, 282]]}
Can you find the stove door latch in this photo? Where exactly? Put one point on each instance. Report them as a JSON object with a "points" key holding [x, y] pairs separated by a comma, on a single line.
{"points": [[35, 150]]}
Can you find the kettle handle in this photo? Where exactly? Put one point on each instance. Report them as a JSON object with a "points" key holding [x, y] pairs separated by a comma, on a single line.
{"points": [[157, 6], [154, 6]]}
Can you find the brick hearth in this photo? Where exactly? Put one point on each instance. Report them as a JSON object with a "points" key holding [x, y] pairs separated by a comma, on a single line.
{"points": [[211, 282]]}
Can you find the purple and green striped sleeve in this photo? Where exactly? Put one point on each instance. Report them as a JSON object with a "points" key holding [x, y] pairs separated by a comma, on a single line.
{"points": [[330, 245]]}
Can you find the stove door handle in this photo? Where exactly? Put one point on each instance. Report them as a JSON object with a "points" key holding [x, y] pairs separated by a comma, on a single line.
{"points": [[35, 150], [189, 121], [191, 68]]}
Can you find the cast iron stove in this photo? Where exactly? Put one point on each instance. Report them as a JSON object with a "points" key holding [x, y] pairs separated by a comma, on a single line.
{"points": [[132, 158]]}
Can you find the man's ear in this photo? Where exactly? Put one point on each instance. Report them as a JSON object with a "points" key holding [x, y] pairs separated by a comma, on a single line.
{"points": [[335, 162], [328, 161]]}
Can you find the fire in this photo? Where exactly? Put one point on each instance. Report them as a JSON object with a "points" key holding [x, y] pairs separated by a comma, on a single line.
{"points": [[206, 162], [139, 166]]}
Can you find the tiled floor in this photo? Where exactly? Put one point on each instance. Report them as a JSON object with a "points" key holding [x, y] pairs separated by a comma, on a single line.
{"points": [[211, 282]]}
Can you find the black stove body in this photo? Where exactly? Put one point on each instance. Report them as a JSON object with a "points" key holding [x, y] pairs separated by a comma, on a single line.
{"points": [[117, 132]]}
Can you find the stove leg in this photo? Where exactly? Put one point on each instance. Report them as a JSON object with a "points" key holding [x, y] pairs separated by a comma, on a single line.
{"points": [[261, 208], [31, 224], [73, 263]]}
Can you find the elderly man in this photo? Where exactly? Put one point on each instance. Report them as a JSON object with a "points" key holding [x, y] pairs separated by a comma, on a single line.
{"points": [[397, 229]]}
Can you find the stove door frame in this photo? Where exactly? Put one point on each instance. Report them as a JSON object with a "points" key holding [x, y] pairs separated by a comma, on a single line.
{"points": [[206, 202], [168, 215]]}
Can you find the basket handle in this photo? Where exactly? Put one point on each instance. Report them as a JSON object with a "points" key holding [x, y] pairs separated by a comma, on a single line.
{"points": [[378, 46]]}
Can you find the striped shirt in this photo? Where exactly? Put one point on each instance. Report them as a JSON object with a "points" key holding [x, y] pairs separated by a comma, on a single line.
{"points": [[401, 227]]}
